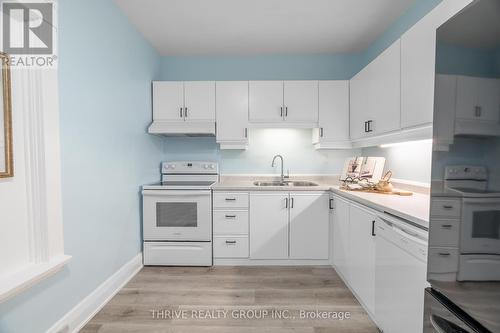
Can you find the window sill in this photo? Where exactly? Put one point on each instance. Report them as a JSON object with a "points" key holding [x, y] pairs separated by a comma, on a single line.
{"points": [[17, 282]]}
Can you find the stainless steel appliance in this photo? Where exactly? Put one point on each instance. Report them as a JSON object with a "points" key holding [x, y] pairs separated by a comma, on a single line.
{"points": [[463, 266], [177, 215]]}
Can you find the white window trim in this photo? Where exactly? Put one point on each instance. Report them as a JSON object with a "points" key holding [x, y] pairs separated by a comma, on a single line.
{"points": [[35, 94]]}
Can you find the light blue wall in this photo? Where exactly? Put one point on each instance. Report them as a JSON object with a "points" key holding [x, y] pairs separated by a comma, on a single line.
{"points": [[105, 72], [294, 144], [451, 59], [497, 62], [398, 28], [261, 67]]}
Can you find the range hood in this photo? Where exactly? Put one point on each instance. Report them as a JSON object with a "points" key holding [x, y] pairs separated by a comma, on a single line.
{"points": [[182, 128]]}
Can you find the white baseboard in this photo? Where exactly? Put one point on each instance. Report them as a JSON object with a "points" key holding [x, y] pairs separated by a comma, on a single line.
{"points": [[270, 262], [76, 318]]}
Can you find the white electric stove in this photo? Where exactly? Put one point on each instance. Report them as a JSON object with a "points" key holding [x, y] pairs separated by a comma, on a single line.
{"points": [[177, 215]]}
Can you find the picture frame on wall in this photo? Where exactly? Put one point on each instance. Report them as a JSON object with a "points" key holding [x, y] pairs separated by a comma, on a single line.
{"points": [[6, 150]]}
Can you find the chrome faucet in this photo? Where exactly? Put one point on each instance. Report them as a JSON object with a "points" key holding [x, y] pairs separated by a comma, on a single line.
{"points": [[282, 176]]}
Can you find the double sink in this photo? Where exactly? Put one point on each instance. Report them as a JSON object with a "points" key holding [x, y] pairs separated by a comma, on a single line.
{"points": [[284, 183]]}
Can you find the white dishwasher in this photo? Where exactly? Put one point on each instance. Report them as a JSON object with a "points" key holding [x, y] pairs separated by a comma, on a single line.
{"points": [[400, 275]]}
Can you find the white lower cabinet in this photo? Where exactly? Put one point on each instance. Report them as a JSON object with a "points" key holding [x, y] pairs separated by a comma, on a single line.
{"points": [[361, 264], [230, 225], [269, 225], [289, 225], [309, 225], [341, 235], [388, 280]]}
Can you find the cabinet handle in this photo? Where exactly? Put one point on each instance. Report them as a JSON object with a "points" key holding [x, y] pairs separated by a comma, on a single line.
{"points": [[478, 111], [230, 242], [246, 132], [321, 131], [186, 112], [369, 126], [180, 112], [373, 228], [281, 111], [446, 226], [286, 202], [286, 111], [330, 204], [230, 216], [291, 203], [443, 254], [447, 206], [230, 199]]}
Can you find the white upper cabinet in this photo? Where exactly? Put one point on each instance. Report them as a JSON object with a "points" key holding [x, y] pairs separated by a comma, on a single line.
{"points": [[333, 105], [265, 101], [232, 114], [478, 98], [300, 101], [284, 103], [309, 230], [199, 100], [418, 58], [168, 100], [375, 95], [269, 225], [446, 91]]}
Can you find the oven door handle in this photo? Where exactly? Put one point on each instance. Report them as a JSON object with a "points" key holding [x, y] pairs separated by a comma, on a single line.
{"points": [[175, 193]]}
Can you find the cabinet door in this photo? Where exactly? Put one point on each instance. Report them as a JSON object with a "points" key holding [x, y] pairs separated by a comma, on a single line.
{"points": [[375, 95], [333, 105], [266, 101], [341, 236], [385, 98], [359, 97], [199, 100], [361, 264], [445, 109], [300, 100], [488, 99], [466, 97], [418, 54], [232, 111], [269, 225], [168, 100], [309, 219]]}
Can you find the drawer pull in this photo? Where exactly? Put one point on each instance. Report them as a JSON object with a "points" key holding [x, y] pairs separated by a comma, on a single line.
{"points": [[447, 206], [230, 242], [230, 199], [446, 226], [230, 216], [444, 254]]}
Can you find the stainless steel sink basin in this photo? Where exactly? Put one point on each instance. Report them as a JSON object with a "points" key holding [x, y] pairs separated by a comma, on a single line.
{"points": [[284, 183]]}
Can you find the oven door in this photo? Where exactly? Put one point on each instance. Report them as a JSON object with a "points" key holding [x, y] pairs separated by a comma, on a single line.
{"points": [[480, 232], [183, 215]]}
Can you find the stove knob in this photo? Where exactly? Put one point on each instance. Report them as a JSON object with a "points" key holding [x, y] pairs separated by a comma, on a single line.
{"points": [[205, 166], [172, 166], [212, 166]]}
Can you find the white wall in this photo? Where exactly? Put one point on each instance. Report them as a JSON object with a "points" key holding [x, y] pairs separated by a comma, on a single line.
{"points": [[411, 161]]}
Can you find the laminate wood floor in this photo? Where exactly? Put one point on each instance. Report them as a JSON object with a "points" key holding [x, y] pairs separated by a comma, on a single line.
{"points": [[233, 299]]}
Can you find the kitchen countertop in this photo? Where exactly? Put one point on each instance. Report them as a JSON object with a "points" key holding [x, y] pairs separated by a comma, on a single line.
{"points": [[413, 208]]}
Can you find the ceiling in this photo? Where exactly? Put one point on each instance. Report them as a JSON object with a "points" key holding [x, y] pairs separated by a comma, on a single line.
{"points": [[225, 27], [478, 26]]}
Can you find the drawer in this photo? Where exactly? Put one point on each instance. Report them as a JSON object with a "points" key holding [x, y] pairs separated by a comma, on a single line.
{"points": [[230, 222], [444, 233], [443, 260], [445, 208], [230, 200], [231, 247], [178, 253]]}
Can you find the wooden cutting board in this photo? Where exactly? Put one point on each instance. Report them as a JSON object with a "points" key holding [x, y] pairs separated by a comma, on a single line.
{"points": [[393, 192]]}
